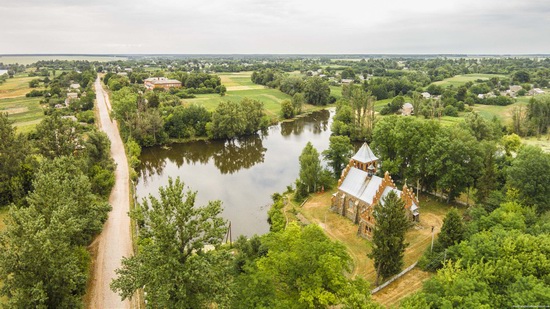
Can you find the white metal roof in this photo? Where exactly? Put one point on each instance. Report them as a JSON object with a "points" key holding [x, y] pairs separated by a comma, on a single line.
{"points": [[358, 184], [365, 155]]}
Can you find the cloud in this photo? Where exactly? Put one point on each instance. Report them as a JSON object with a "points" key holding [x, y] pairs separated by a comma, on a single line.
{"points": [[277, 26]]}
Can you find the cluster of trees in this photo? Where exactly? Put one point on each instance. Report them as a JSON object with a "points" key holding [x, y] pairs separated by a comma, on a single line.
{"points": [[151, 118], [315, 90], [57, 181], [313, 177], [354, 114], [497, 259], [446, 159], [291, 267], [533, 119]]}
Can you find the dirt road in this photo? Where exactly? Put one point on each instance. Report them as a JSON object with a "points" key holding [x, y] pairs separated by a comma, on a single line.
{"points": [[115, 241]]}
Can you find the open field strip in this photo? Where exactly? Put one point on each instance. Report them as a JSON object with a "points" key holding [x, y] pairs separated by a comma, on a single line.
{"points": [[460, 80]]}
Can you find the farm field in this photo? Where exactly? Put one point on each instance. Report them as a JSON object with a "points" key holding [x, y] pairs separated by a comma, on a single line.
{"points": [[460, 80], [316, 210], [22, 59], [25, 112], [239, 86]]}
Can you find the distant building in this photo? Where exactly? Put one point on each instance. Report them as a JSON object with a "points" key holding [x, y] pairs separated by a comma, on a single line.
{"points": [[360, 191], [161, 82], [74, 86], [536, 91], [346, 81], [515, 88], [71, 96], [426, 95], [407, 109]]}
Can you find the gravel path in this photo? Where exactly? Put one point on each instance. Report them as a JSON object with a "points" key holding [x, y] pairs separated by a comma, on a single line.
{"points": [[115, 241]]}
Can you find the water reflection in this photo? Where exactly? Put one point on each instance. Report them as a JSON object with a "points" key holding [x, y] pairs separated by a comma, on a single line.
{"points": [[317, 122], [242, 174]]}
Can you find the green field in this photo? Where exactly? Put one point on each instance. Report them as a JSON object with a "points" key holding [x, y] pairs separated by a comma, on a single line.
{"points": [[460, 80], [25, 112], [16, 87], [32, 59], [239, 86], [336, 91]]}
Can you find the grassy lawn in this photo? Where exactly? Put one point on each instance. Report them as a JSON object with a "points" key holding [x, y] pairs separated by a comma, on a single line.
{"points": [[32, 59], [316, 210], [460, 80]]}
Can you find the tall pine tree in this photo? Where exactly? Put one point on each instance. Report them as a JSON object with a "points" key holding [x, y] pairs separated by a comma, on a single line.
{"points": [[388, 239]]}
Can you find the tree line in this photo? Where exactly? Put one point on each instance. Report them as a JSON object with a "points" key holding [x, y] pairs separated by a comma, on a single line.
{"points": [[56, 181], [151, 118]]}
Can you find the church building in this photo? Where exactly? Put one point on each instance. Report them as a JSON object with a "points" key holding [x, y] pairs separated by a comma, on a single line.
{"points": [[360, 191]]}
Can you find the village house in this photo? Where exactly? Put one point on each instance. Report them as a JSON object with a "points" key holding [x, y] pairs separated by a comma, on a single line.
{"points": [[536, 91], [360, 191], [161, 82], [71, 96], [426, 95], [74, 86]]}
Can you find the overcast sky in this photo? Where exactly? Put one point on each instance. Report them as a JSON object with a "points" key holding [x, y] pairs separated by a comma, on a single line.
{"points": [[274, 26]]}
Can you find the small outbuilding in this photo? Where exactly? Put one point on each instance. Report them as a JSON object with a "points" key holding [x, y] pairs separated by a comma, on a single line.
{"points": [[407, 109]]}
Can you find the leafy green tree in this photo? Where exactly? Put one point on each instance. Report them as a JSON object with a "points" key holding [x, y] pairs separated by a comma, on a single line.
{"points": [[287, 110], [452, 231], [61, 189], [172, 265], [310, 167], [38, 266], [316, 91], [455, 159], [298, 100], [338, 154], [291, 85], [529, 175], [34, 83], [388, 239], [302, 269], [14, 151], [227, 120], [57, 137]]}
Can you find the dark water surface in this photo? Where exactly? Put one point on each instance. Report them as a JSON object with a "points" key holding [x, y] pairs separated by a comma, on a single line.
{"points": [[243, 174]]}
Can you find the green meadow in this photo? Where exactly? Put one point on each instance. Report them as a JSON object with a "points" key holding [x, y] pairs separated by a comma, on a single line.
{"points": [[460, 80], [24, 112], [239, 86]]}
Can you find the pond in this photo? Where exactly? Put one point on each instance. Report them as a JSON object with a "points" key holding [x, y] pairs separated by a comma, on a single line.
{"points": [[242, 173]]}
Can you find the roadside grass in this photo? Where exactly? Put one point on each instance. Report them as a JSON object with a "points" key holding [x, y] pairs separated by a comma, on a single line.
{"points": [[460, 80], [34, 58], [316, 210]]}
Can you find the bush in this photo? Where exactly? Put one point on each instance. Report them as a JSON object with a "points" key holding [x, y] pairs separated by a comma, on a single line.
{"points": [[450, 111], [34, 93]]}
